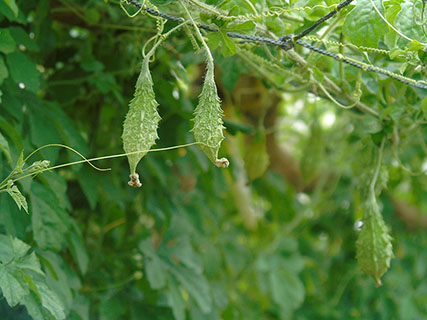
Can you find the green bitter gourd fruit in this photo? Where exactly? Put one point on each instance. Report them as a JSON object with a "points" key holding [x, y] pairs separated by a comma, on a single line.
{"points": [[374, 248], [208, 124], [140, 125]]}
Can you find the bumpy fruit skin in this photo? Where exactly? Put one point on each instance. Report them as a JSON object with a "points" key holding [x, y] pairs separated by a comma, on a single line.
{"points": [[208, 125], [374, 248], [140, 125]]}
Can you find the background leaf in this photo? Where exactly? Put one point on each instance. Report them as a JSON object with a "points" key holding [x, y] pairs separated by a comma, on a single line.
{"points": [[363, 26]]}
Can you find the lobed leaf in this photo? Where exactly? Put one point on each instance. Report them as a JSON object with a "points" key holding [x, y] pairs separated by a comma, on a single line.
{"points": [[12, 248], [175, 299], [12, 5], [7, 44], [49, 221], [17, 196], [196, 285], [13, 287], [363, 26], [404, 22], [4, 145], [50, 301]]}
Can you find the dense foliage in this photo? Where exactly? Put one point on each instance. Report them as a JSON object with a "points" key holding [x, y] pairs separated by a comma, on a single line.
{"points": [[327, 176]]}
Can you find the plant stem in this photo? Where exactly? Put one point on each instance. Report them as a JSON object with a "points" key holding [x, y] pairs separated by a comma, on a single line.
{"points": [[104, 157], [199, 35], [378, 168]]}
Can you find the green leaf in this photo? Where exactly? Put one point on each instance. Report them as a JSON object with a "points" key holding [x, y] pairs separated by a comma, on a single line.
{"points": [[4, 73], [368, 126], [7, 44], [156, 274], [256, 158], [14, 253], [23, 71], [12, 132], [68, 132], [14, 288], [214, 39], [287, 290], [12, 5], [363, 26], [50, 300], [90, 64], [42, 128], [244, 27], [48, 219], [235, 127], [4, 145], [11, 248], [17, 196], [231, 70], [424, 107], [59, 276], [9, 9], [175, 299], [111, 308], [184, 252], [34, 307], [37, 167], [93, 15], [78, 249], [196, 285], [16, 280], [30, 262], [374, 248], [22, 39], [19, 163], [404, 22], [415, 46], [88, 183], [219, 294], [228, 46], [14, 222]]}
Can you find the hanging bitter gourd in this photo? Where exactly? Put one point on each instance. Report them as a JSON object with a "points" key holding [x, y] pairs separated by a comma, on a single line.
{"points": [[208, 124], [374, 248], [140, 125]]}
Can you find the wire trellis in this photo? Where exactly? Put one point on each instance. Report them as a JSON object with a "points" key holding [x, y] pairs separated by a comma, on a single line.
{"points": [[287, 42]]}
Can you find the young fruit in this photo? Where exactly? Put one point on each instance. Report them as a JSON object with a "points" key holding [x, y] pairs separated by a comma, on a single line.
{"points": [[208, 123], [374, 248], [140, 125]]}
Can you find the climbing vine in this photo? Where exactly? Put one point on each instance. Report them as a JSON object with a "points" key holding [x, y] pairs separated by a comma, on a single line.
{"points": [[317, 108]]}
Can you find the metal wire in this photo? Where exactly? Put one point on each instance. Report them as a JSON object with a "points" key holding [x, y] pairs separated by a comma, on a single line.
{"points": [[287, 42]]}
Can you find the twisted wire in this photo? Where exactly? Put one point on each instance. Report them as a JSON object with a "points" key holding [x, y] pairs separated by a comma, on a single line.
{"points": [[363, 66], [314, 26]]}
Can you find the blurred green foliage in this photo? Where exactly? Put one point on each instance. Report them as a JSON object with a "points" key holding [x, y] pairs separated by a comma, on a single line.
{"points": [[182, 246]]}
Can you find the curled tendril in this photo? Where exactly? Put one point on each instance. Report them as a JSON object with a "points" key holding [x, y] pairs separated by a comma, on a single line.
{"points": [[422, 22], [144, 47], [357, 93], [127, 12], [395, 149]]}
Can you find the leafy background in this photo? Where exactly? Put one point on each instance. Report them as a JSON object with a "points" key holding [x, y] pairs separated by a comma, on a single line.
{"points": [[198, 242]]}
